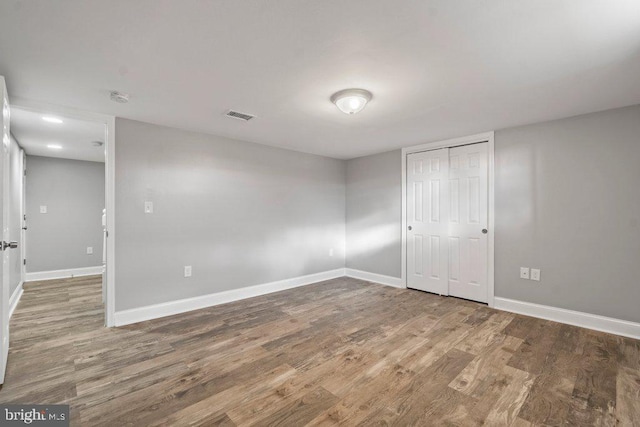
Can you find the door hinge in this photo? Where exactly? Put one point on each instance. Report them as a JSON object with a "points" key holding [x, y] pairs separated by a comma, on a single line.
{"points": [[24, 261]]}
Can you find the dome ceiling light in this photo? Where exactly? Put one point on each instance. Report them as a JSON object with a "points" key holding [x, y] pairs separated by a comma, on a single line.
{"points": [[351, 101]]}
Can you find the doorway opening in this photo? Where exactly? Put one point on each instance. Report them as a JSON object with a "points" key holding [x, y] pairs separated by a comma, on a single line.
{"points": [[67, 197]]}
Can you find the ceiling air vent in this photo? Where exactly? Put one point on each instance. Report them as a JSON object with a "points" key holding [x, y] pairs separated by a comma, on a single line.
{"points": [[240, 116]]}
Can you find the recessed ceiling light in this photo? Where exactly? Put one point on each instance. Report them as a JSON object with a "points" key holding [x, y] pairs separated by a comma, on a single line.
{"points": [[52, 119], [54, 147], [119, 97], [351, 101]]}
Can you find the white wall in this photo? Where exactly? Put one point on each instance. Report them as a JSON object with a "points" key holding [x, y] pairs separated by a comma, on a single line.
{"points": [[373, 222], [567, 201], [240, 214], [73, 191]]}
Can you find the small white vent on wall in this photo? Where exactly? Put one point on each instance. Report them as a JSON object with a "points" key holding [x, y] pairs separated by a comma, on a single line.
{"points": [[238, 115]]}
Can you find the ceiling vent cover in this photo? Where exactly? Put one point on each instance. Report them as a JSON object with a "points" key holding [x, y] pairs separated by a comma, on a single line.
{"points": [[240, 116]]}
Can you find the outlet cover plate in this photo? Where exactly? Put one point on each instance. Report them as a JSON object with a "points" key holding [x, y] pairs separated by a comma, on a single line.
{"points": [[535, 274], [524, 272]]}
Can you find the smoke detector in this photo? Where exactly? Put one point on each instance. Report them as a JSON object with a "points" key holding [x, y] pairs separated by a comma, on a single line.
{"points": [[238, 115], [119, 97]]}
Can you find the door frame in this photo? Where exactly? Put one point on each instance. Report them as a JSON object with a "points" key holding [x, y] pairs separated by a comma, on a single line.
{"points": [[23, 211], [487, 137], [110, 169]]}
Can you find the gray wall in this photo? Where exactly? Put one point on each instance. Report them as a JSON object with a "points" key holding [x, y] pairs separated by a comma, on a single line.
{"points": [[73, 192], [567, 201], [15, 205], [240, 214], [373, 238]]}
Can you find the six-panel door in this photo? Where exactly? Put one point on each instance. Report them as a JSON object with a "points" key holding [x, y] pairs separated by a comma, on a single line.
{"points": [[468, 208], [427, 177], [447, 220]]}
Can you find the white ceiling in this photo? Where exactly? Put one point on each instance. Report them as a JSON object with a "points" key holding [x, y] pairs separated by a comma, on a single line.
{"points": [[76, 137], [437, 69]]}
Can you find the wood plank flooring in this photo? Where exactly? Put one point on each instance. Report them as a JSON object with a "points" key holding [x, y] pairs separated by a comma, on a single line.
{"points": [[340, 352]]}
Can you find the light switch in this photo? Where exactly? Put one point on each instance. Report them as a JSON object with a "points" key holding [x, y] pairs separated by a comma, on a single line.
{"points": [[187, 271], [43, 209], [89, 250], [148, 207], [535, 274], [524, 272]]}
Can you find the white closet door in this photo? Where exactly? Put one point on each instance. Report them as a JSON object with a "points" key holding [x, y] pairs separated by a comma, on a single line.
{"points": [[427, 213], [468, 221]]}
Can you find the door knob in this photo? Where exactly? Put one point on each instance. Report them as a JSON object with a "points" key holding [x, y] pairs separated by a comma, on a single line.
{"points": [[11, 245], [485, 231], [410, 228]]}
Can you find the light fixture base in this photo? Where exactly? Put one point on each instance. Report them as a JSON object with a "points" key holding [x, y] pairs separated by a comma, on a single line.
{"points": [[351, 101]]}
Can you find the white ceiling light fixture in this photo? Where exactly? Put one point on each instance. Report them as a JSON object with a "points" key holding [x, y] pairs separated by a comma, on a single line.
{"points": [[54, 146], [50, 119], [351, 101]]}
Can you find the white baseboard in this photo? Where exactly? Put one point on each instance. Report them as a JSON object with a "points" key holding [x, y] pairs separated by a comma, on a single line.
{"points": [[576, 318], [62, 274], [396, 282], [155, 311], [15, 299]]}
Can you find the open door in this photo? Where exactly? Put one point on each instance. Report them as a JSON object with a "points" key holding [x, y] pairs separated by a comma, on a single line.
{"points": [[4, 226]]}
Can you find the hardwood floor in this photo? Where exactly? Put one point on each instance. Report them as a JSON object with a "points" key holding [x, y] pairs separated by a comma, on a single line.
{"points": [[337, 352]]}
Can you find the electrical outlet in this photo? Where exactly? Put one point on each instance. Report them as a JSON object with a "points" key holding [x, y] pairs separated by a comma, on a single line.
{"points": [[89, 250], [331, 252], [148, 207], [535, 274], [43, 209], [187, 271], [524, 272]]}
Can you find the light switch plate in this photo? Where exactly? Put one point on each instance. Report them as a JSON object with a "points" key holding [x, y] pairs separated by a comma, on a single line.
{"points": [[43, 209], [331, 252], [524, 272], [89, 250], [148, 207], [187, 271], [535, 274]]}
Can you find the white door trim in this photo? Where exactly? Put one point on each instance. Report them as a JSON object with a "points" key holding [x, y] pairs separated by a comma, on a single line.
{"points": [[23, 211], [110, 143], [487, 137]]}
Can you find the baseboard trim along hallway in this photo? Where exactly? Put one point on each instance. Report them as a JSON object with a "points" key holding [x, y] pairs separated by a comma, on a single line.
{"points": [[15, 299], [155, 311], [63, 274], [576, 318]]}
